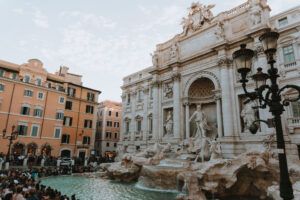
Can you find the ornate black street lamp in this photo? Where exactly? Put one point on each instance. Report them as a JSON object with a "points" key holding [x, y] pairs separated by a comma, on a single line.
{"points": [[13, 136], [268, 95]]}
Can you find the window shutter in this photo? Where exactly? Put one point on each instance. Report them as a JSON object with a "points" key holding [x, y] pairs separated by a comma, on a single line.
{"points": [[25, 130], [70, 121], [91, 123], [92, 107]]}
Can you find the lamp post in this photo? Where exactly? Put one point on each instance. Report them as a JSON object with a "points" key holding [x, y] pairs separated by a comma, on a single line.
{"points": [[268, 95], [11, 137]]}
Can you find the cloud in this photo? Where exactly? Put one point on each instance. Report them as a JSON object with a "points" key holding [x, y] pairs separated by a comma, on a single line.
{"points": [[18, 11], [40, 19], [90, 18]]}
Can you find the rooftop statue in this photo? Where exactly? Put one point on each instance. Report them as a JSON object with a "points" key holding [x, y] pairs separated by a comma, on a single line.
{"points": [[198, 15]]}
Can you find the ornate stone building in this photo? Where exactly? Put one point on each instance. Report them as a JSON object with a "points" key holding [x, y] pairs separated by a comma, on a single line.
{"points": [[195, 68]]}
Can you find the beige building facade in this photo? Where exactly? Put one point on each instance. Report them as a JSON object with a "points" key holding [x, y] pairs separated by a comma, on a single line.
{"points": [[195, 69]]}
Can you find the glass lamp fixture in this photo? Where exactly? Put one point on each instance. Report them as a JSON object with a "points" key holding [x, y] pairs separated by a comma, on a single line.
{"points": [[269, 42], [243, 61], [260, 78]]}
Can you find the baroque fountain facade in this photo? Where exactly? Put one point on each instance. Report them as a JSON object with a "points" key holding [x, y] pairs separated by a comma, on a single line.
{"points": [[188, 108]]}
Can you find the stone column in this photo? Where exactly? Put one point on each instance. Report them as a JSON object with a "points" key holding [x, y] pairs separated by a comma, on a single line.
{"points": [[155, 85], [227, 110], [187, 120], [133, 121], [219, 115], [145, 114], [176, 105], [123, 123]]}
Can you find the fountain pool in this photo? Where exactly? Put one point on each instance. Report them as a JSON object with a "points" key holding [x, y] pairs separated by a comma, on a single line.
{"points": [[99, 189]]}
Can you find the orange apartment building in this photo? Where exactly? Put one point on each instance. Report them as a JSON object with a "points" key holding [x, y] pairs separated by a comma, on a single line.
{"points": [[53, 113], [108, 127]]}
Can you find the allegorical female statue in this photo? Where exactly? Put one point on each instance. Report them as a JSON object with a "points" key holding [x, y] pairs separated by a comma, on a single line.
{"points": [[169, 124]]}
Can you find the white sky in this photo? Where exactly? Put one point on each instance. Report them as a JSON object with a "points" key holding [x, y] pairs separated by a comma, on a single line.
{"points": [[104, 40]]}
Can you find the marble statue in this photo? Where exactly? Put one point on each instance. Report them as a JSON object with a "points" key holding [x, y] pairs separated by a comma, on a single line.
{"points": [[248, 114], [201, 122], [154, 59], [215, 149], [219, 32], [256, 17], [168, 90], [169, 124], [198, 15], [174, 51]]}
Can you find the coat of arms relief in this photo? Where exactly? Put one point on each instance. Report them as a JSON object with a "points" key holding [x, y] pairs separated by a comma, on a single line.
{"points": [[198, 15]]}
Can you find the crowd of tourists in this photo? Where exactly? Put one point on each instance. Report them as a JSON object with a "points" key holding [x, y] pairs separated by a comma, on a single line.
{"points": [[16, 184]]}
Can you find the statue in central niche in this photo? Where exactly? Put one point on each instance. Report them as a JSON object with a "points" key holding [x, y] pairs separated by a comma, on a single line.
{"points": [[169, 124], [201, 122]]}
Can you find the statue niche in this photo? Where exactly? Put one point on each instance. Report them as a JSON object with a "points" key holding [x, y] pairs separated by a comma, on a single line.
{"points": [[202, 109]]}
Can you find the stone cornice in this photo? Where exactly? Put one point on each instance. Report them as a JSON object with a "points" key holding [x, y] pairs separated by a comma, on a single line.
{"points": [[224, 61]]}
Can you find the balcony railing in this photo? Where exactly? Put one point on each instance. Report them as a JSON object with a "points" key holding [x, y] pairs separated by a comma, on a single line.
{"points": [[289, 65], [294, 121]]}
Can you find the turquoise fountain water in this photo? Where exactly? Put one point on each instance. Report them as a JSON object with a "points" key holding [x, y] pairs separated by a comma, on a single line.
{"points": [[99, 189]]}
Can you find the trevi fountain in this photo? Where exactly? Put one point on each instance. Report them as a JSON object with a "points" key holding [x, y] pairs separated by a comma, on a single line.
{"points": [[184, 123]]}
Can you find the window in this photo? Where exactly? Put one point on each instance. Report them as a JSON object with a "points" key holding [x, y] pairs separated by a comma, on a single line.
{"points": [[115, 144], [40, 95], [89, 109], [150, 125], [2, 86], [13, 76], [86, 139], [67, 121], [38, 81], [108, 134], [288, 54], [26, 78], [107, 144], [283, 22], [71, 92], [60, 115], [49, 85], [101, 113], [117, 114], [62, 101], [128, 98], [37, 112], [109, 113], [34, 131], [28, 93], [116, 135], [116, 124], [139, 125], [68, 105], [59, 87], [22, 129], [1, 73], [87, 123], [127, 127], [90, 96], [65, 139], [140, 95], [57, 132], [25, 110], [109, 123], [100, 123], [296, 108]]}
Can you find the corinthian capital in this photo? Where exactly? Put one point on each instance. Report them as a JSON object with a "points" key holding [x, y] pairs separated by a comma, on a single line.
{"points": [[224, 61], [176, 76], [155, 83]]}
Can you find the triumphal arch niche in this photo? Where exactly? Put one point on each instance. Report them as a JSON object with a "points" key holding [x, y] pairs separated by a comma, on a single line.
{"points": [[202, 96]]}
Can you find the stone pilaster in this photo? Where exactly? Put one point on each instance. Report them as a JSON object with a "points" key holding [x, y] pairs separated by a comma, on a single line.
{"points": [[187, 120], [177, 106], [156, 84], [227, 107], [133, 121], [219, 115], [145, 113]]}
